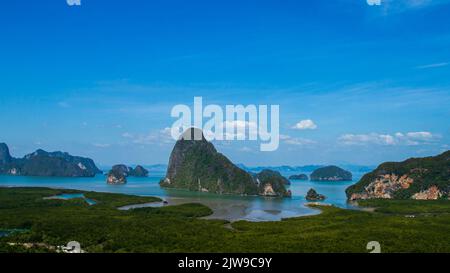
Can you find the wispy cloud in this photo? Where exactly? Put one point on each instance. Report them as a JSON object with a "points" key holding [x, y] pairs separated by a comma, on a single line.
{"points": [[296, 141], [101, 145], [435, 65], [410, 139], [159, 137]]}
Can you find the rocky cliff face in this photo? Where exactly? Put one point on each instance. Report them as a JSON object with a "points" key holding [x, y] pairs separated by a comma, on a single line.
{"points": [[416, 178], [42, 163], [272, 183], [433, 193], [116, 177], [384, 187], [197, 166], [123, 169], [331, 173]]}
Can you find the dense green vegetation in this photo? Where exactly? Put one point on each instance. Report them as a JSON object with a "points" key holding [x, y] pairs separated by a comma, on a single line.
{"points": [[103, 228], [411, 207]]}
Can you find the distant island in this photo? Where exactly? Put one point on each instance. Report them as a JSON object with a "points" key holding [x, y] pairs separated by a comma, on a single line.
{"points": [[42, 163], [196, 165], [119, 173], [331, 173], [305, 168], [301, 176], [425, 178]]}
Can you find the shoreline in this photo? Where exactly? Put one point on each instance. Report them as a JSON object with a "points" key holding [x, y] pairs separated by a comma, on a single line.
{"points": [[223, 209]]}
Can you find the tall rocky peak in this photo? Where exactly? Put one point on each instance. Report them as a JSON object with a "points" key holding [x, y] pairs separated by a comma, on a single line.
{"points": [[196, 165], [5, 157], [191, 142]]}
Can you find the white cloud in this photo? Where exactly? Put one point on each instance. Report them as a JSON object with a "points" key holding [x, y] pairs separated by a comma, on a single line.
{"points": [[374, 2], [305, 124], [73, 2], [420, 135], [410, 139]]}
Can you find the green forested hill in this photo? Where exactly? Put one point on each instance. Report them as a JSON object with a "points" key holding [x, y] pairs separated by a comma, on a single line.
{"points": [[416, 178]]}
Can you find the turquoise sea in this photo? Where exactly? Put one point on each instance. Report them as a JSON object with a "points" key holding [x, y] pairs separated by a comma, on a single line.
{"points": [[224, 206]]}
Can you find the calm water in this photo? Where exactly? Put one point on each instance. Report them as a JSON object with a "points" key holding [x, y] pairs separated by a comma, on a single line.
{"points": [[67, 196], [225, 207]]}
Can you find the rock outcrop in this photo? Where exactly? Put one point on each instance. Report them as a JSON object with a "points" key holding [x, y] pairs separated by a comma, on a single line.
{"points": [[5, 156], [302, 177], [42, 163], [433, 193], [122, 169], [119, 173], [116, 177], [331, 173], [272, 183], [384, 187], [312, 195], [196, 165], [139, 171], [416, 178]]}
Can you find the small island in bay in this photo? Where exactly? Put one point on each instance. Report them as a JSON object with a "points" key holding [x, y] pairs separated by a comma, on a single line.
{"points": [[196, 165], [272, 183], [331, 173], [425, 178], [139, 171], [116, 177], [119, 173], [312, 195], [302, 177], [42, 163]]}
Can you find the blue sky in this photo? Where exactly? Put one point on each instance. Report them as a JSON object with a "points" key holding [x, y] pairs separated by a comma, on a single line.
{"points": [[100, 79]]}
